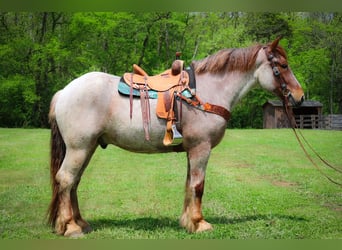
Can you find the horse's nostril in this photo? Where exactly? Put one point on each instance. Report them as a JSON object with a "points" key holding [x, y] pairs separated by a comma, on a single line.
{"points": [[302, 100]]}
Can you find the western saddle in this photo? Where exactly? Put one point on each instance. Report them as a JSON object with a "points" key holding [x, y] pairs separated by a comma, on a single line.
{"points": [[166, 84], [172, 84]]}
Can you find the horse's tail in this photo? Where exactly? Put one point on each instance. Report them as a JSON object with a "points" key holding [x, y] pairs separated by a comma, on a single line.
{"points": [[57, 154]]}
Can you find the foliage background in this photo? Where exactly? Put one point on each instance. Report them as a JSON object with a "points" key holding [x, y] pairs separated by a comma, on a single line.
{"points": [[40, 52]]}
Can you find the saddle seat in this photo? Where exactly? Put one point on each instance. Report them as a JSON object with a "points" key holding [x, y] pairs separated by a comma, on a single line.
{"points": [[169, 79]]}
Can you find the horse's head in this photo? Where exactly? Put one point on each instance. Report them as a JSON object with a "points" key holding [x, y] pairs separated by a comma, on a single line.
{"points": [[276, 75]]}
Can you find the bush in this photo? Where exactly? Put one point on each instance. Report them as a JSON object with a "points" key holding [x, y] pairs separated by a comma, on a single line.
{"points": [[17, 99]]}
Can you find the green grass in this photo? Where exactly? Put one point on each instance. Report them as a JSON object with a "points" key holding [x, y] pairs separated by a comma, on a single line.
{"points": [[259, 185]]}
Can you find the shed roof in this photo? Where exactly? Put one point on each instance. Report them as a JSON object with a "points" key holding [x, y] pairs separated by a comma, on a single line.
{"points": [[307, 103]]}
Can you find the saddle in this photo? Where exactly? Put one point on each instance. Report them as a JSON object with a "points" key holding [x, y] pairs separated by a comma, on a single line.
{"points": [[164, 88], [169, 79]]}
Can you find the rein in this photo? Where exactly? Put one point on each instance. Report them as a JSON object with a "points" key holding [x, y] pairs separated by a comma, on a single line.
{"points": [[295, 129], [286, 93]]}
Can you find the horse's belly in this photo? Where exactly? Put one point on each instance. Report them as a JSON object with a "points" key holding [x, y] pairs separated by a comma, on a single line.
{"points": [[139, 143], [130, 135]]}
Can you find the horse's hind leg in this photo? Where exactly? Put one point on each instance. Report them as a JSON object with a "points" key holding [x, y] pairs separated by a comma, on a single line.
{"points": [[192, 217], [85, 227], [69, 221], [74, 202]]}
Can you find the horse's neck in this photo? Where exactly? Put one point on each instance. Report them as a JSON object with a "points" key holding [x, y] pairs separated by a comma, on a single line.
{"points": [[243, 87], [225, 90]]}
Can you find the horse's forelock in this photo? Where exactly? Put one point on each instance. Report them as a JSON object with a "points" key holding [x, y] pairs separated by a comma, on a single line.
{"points": [[242, 59]]}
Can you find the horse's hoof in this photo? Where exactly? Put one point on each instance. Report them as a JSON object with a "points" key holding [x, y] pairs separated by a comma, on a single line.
{"points": [[198, 227], [73, 231], [203, 226], [86, 228], [74, 235]]}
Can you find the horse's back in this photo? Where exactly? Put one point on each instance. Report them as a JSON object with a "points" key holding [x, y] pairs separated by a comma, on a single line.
{"points": [[90, 111]]}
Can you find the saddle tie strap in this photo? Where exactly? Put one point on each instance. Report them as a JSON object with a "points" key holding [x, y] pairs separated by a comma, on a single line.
{"points": [[131, 98], [145, 111]]}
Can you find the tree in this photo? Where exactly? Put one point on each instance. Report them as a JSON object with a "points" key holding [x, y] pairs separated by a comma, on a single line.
{"points": [[315, 53], [40, 52], [20, 93], [265, 26]]}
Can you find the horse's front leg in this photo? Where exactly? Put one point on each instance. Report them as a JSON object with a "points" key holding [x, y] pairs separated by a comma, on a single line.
{"points": [[192, 217]]}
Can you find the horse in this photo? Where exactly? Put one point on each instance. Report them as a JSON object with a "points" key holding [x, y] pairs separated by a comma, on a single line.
{"points": [[89, 112]]}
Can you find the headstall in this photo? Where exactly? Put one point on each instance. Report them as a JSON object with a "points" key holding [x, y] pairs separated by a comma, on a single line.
{"points": [[276, 72]]}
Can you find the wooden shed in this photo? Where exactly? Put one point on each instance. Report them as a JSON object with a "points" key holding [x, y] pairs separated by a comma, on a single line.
{"points": [[308, 115]]}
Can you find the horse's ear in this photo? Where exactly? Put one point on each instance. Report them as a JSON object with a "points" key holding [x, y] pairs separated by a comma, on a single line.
{"points": [[275, 43]]}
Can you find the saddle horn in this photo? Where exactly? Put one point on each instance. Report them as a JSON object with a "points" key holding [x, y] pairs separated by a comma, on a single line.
{"points": [[178, 55]]}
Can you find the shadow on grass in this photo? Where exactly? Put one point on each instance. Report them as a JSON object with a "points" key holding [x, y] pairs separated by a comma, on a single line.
{"points": [[145, 223], [152, 224]]}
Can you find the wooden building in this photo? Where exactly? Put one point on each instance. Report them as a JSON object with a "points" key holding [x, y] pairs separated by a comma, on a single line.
{"points": [[308, 115]]}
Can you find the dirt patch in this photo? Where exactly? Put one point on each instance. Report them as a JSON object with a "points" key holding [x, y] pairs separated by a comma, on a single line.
{"points": [[242, 165], [278, 183], [334, 207], [283, 183]]}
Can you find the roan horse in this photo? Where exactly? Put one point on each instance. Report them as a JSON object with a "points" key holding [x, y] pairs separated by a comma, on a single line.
{"points": [[90, 112]]}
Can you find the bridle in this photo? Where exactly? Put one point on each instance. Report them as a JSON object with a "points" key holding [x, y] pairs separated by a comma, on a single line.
{"points": [[286, 93], [276, 72]]}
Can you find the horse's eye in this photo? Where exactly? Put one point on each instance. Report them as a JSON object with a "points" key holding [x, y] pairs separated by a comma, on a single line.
{"points": [[284, 66]]}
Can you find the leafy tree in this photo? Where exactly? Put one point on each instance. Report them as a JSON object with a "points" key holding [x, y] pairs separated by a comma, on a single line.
{"points": [[41, 52], [315, 54], [265, 26], [18, 91]]}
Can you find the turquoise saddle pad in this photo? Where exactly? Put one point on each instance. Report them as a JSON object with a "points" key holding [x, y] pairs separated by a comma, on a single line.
{"points": [[125, 90]]}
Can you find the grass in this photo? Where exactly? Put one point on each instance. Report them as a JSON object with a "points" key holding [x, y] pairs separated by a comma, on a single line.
{"points": [[259, 185]]}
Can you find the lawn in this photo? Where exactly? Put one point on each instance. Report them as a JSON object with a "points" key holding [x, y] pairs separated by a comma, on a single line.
{"points": [[259, 185]]}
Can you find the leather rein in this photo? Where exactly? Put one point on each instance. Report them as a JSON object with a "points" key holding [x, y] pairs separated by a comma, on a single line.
{"points": [[290, 117]]}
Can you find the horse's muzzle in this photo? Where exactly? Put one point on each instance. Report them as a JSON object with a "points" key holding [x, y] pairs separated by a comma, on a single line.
{"points": [[296, 102]]}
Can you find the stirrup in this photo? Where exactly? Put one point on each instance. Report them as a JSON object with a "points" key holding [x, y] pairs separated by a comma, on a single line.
{"points": [[177, 138], [172, 137]]}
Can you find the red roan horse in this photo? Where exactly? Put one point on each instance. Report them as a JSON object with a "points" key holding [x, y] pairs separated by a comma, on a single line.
{"points": [[90, 112]]}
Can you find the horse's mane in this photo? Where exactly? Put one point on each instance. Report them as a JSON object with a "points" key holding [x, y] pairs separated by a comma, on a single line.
{"points": [[242, 59]]}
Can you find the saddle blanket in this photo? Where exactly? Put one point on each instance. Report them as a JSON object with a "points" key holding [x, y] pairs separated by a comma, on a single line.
{"points": [[125, 89]]}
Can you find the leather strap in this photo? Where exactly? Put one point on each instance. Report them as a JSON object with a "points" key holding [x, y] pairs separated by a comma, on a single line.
{"points": [[145, 112], [218, 110], [131, 99], [192, 78], [207, 107]]}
